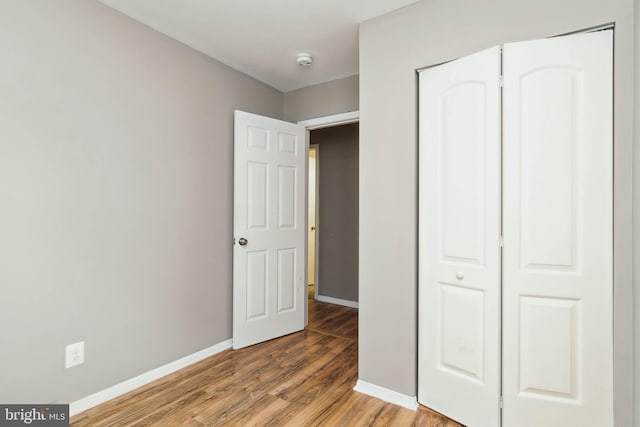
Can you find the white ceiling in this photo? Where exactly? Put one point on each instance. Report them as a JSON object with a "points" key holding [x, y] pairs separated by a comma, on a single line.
{"points": [[262, 37]]}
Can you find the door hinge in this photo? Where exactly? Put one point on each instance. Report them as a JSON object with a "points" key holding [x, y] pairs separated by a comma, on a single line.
{"points": [[501, 81], [501, 241], [501, 402]]}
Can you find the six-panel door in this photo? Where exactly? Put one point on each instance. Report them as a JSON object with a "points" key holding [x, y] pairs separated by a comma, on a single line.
{"points": [[269, 215]]}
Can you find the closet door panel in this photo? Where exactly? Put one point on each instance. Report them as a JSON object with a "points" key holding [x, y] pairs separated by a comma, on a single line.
{"points": [[549, 218], [459, 202], [557, 213]]}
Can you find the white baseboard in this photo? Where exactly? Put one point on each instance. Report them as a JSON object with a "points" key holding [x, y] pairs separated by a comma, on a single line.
{"points": [[143, 379], [338, 301], [409, 402]]}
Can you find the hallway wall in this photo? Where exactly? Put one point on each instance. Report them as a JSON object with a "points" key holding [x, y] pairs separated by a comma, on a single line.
{"points": [[324, 99], [338, 211]]}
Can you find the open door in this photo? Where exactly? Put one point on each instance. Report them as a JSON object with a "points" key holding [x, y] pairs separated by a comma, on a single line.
{"points": [[459, 237], [269, 287]]}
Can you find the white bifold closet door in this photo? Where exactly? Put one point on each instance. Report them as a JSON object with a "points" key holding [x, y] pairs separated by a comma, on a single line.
{"points": [[459, 264], [530, 323], [558, 250]]}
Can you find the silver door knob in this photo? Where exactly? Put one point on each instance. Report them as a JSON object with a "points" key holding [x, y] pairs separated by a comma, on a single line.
{"points": [[243, 241]]}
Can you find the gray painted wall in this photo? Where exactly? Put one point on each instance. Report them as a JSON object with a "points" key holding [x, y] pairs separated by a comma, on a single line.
{"points": [[115, 197], [636, 210], [392, 47], [338, 211], [324, 99]]}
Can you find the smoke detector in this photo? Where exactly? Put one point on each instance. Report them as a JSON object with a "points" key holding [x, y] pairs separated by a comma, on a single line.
{"points": [[304, 59]]}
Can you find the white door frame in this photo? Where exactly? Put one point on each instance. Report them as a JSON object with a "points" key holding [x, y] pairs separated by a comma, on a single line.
{"points": [[313, 124], [333, 120]]}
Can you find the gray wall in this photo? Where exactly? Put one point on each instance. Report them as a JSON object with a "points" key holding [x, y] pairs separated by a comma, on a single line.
{"points": [[324, 99], [338, 211], [392, 47], [115, 197], [636, 210]]}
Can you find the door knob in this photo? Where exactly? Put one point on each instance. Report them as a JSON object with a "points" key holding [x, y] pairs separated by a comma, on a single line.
{"points": [[313, 228], [243, 241]]}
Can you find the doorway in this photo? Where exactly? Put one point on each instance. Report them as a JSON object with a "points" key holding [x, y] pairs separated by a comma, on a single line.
{"points": [[332, 229], [312, 214], [270, 225], [333, 214]]}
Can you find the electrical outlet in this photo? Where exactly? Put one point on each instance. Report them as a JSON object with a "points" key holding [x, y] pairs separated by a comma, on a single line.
{"points": [[74, 354]]}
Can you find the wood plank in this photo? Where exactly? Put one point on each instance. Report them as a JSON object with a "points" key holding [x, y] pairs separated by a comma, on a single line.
{"points": [[302, 379]]}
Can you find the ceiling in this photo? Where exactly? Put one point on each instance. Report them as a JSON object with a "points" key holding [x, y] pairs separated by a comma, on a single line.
{"points": [[262, 37]]}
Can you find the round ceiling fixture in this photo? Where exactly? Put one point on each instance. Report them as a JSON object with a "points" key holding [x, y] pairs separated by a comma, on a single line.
{"points": [[304, 59]]}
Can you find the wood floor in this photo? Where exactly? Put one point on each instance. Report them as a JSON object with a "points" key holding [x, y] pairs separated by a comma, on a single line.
{"points": [[302, 379]]}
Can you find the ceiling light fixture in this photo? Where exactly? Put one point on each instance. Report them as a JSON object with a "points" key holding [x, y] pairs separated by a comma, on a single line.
{"points": [[304, 59]]}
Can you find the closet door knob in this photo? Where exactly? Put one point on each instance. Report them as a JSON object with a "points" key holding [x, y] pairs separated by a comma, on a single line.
{"points": [[243, 241], [459, 275]]}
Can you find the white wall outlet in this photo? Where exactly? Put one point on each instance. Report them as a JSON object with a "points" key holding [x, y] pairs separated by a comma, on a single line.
{"points": [[74, 354]]}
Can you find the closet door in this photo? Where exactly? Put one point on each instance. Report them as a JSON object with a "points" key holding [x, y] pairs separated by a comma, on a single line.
{"points": [[459, 254], [557, 330]]}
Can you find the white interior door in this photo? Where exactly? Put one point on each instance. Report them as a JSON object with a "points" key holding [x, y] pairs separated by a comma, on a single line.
{"points": [[269, 288], [459, 238], [557, 329]]}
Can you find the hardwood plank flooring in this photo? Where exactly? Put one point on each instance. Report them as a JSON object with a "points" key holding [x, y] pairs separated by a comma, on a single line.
{"points": [[302, 379]]}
